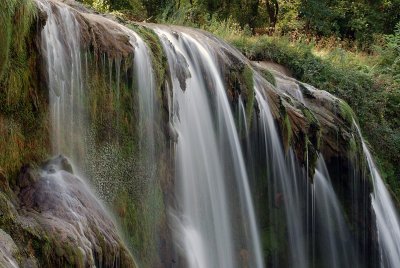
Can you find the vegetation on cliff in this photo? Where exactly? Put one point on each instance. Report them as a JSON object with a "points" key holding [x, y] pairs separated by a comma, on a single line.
{"points": [[351, 50], [23, 101]]}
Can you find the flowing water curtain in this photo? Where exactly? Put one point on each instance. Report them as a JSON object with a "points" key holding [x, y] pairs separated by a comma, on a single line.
{"points": [[387, 220], [285, 179], [335, 245], [61, 47], [210, 231], [215, 219]]}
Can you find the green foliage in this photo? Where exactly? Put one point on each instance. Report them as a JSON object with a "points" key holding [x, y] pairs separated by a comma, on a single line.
{"points": [[249, 94], [140, 222], [358, 21], [346, 112], [391, 54], [288, 17], [373, 95], [23, 109], [100, 6]]}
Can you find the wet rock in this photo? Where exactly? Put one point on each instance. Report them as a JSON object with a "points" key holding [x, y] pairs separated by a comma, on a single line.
{"points": [[26, 177], [30, 263], [58, 163], [309, 108], [55, 221], [172, 133], [8, 250], [180, 65], [74, 226], [100, 33]]}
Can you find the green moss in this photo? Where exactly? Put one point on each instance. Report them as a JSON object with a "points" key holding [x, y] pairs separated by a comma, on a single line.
{"points": [[16, 19], [287, 131], [23, 105], [140, 221], [248, 82], [286, 127], [159, 59], [312, 141], [353, 148], [269, 76], [345, 112]]}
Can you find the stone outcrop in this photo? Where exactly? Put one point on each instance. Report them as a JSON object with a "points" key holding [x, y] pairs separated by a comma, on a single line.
{"points": [[53, 220]]}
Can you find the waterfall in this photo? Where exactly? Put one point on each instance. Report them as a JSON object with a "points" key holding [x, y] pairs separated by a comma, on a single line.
{"points": [[218, 164], [61, 48], [146, 85], [334, 239], [210, 170], [243, 127], [387, 221], [284, 179]]}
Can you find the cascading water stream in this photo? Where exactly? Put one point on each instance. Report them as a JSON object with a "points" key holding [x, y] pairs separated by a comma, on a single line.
{"points": [[243, 127], [205, 226], [285, 178], [334, 239], [145, 87], [387, 221], [215, 219], [62, 50]]}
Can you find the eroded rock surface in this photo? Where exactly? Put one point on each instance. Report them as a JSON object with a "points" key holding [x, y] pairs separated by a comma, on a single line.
{"points": [[56, 221]]}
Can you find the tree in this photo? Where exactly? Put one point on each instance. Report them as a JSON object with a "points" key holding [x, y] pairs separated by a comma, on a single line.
{"points": [[273, 11]]}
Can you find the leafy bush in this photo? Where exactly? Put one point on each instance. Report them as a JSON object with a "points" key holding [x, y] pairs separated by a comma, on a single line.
{"points": [[391, 54]]}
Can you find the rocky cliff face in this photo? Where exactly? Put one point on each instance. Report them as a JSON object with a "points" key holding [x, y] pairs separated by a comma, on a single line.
{"points": [[50, 218]]}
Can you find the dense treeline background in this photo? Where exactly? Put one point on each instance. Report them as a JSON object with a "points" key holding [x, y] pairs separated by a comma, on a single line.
{"points": [[356, 20], [349, 48]]}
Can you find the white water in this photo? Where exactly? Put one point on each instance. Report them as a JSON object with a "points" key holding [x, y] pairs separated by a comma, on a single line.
{"points": [[206, 217], [285, 177], [145, 84], [387, 221], [243, 128], [216, 225], [62, 52], [334, 237]]}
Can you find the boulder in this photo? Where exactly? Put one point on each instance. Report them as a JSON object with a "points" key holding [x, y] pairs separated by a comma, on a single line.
{"points": [[56, 221]]}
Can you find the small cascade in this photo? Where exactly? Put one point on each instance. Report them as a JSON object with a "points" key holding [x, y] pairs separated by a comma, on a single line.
{"points": [[146, 85], [243, 127], [213, 229], [290, 86], [387, 221], [335, 246], [61, 48], [284, 180]]}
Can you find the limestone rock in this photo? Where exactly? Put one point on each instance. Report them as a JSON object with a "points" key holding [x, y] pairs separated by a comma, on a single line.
{"points": [[77, 228]]}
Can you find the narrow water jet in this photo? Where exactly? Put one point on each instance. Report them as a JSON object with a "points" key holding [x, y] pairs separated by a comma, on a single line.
{"points": [[65, 82], [387, 220], [335, 244], [285, 180]]}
